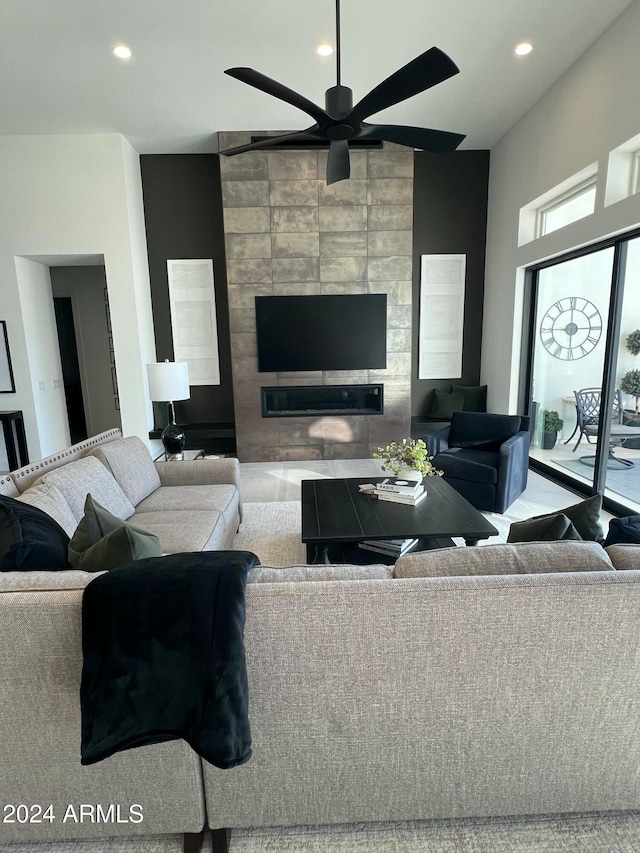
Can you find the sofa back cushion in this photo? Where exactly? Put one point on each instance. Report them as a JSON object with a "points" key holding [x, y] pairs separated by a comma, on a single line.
{"points": [[624, 555], [482, 430], [49, 499], [523, 558], [289, 574], [130, 462], [77, 479]]}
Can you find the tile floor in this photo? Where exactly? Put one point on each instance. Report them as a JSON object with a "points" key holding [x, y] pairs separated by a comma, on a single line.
{"points": [[280, 481]]}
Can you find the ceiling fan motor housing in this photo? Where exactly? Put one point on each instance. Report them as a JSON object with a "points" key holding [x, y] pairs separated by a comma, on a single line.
{"points": [[338, 101]]}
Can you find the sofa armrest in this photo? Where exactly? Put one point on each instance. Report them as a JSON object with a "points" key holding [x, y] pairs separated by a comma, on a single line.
{"points": [[201, 472], [437, 440], [513, 469]]}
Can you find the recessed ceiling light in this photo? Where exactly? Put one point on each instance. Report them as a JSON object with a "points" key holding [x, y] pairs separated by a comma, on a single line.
{"points": [[324, 50], [122, 51], [523, 48]]}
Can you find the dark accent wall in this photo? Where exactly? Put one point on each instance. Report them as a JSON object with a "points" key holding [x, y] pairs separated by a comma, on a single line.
{"points": [[183, 215], [450, 216]]}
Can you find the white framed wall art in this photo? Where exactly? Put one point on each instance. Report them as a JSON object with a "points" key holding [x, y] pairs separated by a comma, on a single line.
{"points": [[441, 327]]}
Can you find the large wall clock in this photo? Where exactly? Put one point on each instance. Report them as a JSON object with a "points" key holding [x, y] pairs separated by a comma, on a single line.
{"points": [[571, 328]]}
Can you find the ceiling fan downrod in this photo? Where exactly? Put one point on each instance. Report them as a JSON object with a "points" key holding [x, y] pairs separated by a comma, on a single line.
{"points": [[338, 100]]}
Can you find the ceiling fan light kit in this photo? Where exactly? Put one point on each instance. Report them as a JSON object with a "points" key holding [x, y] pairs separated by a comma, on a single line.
{"points": [[341, 122]]}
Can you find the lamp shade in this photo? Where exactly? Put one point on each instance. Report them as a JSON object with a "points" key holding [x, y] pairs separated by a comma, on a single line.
{"points": [[168, 381]]}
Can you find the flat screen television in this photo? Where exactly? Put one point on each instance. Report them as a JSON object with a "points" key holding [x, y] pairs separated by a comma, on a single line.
{"points": [[332, 332]]}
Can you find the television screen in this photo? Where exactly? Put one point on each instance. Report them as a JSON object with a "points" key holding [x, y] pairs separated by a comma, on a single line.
{"points": [[333, 332]]}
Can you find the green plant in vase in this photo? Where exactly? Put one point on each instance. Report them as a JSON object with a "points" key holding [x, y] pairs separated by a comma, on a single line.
{"points": [[552, 423], [407, 454], [630, 384]]}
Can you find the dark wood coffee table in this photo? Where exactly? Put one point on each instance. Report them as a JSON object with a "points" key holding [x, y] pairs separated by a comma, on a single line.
{"points": [[336, 516]]}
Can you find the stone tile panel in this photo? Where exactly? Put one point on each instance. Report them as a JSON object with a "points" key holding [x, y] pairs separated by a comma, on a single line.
{"points": [[343, 269], [251, 166], [289, 219], [390, 164], [299, 454], [385, 243], [285, 165], [398, 292], [393, 268], [248, 245], [242, 296], [343, 192], [398, 340], [300, 244], [346, 451], [390, 191], [241, 320], [293, 193], [336, 244], [348, 218], [249, 271], [245, 193], [390, 217], [246, 220], [398, 316], [347, 287], [296, 289], [296, 269], [244, 344]]}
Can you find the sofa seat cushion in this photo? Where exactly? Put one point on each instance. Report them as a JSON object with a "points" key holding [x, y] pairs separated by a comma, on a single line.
{"points": [[129, 461], [50, 499], [524, 558], [478, 466], [624, 555], [184, 530], [222, 499], [77, 479]]}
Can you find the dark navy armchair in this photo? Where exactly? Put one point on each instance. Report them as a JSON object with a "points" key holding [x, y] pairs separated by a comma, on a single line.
{"points": [[484, 456]]}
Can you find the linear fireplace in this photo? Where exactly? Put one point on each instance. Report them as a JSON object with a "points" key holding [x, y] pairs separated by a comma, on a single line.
{"points": [[286, 401]]}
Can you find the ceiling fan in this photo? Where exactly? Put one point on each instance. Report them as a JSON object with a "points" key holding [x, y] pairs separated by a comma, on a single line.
{"points": [[341, 122]]}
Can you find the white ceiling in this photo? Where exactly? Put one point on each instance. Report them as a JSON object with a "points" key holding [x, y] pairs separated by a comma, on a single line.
{"points": [[58, 74]]}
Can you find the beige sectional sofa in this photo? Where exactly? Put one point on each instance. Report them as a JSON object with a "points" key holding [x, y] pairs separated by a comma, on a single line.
{"points": [[507, 686], [190, 506]]}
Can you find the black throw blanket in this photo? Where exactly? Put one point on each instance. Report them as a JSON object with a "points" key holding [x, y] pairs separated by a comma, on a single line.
{"points": [[163, 647]]}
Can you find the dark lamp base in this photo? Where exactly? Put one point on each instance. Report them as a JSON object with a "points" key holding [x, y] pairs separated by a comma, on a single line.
{"points": [[173, 438]]}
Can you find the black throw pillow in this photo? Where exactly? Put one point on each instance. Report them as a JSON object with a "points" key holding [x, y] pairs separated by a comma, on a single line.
{"points": [[30, 540], [624, 531]]}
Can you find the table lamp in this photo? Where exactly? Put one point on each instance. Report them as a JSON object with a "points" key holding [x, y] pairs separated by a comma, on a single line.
{"points": [[169, 381]]}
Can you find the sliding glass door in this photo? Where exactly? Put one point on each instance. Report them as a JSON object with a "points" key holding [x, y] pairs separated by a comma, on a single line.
{"points": [[582, 374]]}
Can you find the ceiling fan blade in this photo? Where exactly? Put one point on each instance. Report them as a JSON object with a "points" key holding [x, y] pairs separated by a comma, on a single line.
{"points": [[298, 136], [338, 164], [430, 68], [436, 141], [272, 87]]}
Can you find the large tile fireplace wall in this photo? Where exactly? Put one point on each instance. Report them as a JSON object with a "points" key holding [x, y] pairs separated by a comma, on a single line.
{"points": [[288, 233]]}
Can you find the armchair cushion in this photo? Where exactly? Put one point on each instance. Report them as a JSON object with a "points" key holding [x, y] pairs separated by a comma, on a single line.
{"points": [[479, 466], [445, 404], [482, 431]]}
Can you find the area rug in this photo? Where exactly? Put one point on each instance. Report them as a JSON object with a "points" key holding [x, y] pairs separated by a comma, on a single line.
{"points": [[613, 832], [271, 529], [625, 482]]}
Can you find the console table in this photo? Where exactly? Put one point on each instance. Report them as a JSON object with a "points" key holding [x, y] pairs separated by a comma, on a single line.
{"points": [[14, 439]]}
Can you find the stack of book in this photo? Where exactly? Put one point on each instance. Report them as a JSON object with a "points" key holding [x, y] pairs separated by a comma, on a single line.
{"points": [[399, 491], [390, 547]]}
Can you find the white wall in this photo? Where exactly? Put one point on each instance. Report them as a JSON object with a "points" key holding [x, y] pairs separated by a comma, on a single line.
{"points": [[78, 195], [593, 109], [43, 354]]}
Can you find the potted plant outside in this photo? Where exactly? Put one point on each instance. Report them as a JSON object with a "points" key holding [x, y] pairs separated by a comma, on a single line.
{"points": [[552, 423], [630, 384], [407, 459]]}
